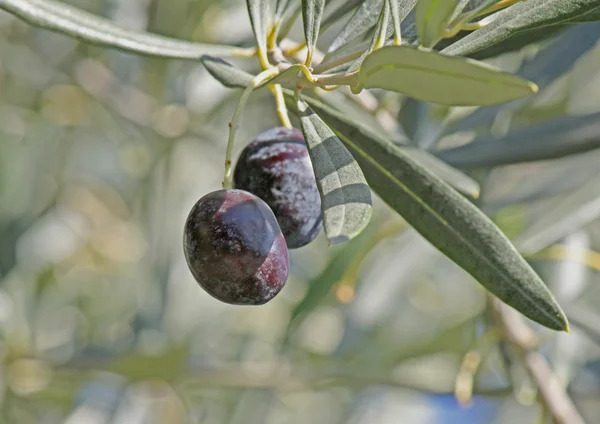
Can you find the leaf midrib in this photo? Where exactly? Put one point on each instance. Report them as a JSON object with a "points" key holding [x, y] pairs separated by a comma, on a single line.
{"points": [[370, 73]]}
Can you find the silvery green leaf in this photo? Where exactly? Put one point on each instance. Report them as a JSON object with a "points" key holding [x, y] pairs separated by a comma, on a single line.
{"points": [[449, 221], [283, 7], [362, 21], [522, 17], [345, 194], [345, 7], [435, 78], [433, 17], [59, 17], [548, 140], [225, 73], [312, 12], [547, 66], [259, 12]]}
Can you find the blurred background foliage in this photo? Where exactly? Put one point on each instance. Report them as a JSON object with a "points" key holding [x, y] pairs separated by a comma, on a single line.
{"points": [[102, 155]]}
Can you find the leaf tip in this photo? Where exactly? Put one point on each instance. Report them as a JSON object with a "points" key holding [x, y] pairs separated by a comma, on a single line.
{"points": [[534, 87]]}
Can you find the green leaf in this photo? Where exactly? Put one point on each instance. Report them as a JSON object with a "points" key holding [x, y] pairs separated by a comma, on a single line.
{"points": [[338, 13], [260, 13], [435, 78], [378, 36], [232, 77], [551, 62], [567, 214], [362, 21], [59, 17], [345, 194], [557, 138], [433, 17], [312, 12], [283, 7], [521, 17], [452, 176], [450, 222], [226, 73]]}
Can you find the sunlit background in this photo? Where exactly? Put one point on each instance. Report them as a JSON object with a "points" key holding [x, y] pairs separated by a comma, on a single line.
{"points": [[102, 155]]}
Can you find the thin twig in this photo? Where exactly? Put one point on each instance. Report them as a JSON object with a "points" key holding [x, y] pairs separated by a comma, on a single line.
{"points": [[552, 394]]}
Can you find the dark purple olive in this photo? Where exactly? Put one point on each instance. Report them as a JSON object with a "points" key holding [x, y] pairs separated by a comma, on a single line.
{"points": [[235, 249], [276, 167]]}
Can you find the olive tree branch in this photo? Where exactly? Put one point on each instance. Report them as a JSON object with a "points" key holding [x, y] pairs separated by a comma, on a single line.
{"points": [[553, 396], [58, 17]]}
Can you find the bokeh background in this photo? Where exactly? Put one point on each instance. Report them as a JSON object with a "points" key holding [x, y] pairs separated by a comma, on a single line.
{"points": [[102, 155]]}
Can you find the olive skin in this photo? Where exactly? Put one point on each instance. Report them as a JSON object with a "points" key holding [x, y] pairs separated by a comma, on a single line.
{"points": [[234, 248], [276, 167]]}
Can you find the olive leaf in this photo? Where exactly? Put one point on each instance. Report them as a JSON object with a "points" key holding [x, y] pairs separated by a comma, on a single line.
{"points": [[377, 36], [312, 12], [345, 194], [259, 12], [59, 17], [557, 138], [522, 17], [435, 78], [226, 73], [551, 62], [450, 222], [570, 212], [283, 7], [339, 12], [232, 77], [433, 17], [362, 21]]}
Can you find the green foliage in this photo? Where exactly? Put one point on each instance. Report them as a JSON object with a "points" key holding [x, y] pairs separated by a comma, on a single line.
{"points": [[433, 18], [546, 140], [431, 77], [450, 222], [259, 12], [57, 16], [525, 16], [312, 12], [100, 152], [345, 194]]}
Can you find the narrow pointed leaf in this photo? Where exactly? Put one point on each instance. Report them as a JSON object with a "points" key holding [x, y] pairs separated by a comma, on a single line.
{"points": [[373, 132], [450, 175], [548, 140], [226, 73], [345, 195], [283, 7], [362, 21], [435, 78], [433, 17], [553, 61], [59, 17], [449, 221], [232, 77], [567, 214], [522, 17], [259, 12], [381, 29], [312, 12], [342, 10]]}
